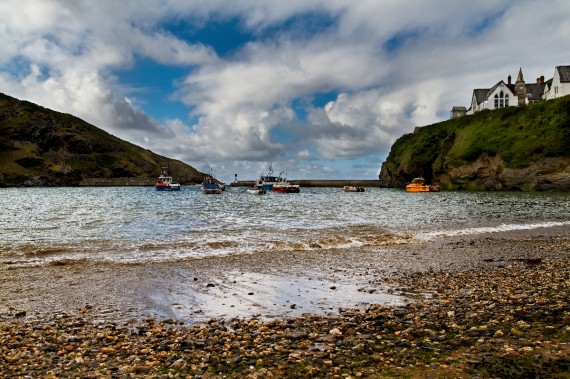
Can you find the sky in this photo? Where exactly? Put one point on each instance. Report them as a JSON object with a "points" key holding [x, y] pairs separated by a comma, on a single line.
{"points": [[316, 89]]}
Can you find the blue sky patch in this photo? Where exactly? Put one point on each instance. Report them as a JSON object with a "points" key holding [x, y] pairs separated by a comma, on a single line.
{"points": [[303, 26], [398, 40], [225, 36], [482, 25], [153, 84]]}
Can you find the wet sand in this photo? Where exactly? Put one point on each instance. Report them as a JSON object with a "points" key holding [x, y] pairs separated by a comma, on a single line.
{"points": [[265, 286]]}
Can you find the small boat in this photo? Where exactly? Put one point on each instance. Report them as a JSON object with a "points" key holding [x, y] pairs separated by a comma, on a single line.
{"points": [[353, 189], [164, 182], [210, 186], [418, 185], [256, 190]]}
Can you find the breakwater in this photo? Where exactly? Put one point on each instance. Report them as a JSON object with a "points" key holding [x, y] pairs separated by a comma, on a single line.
{"points": [[143, 182], [117, 182], [130, 182], [318, 183]]}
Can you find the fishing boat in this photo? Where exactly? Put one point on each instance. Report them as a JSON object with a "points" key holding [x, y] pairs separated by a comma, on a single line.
{"points": [[210, 186], [268, 181], [164, 182], [418, 185], [278, 183], [353, 189], [256, 190]]}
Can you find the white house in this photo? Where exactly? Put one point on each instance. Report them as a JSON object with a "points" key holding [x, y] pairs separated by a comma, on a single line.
{"points": [[503, 94], [559, 85], [499, 96]]}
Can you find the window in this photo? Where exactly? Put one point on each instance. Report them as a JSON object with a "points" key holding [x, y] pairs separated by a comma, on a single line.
{"points": [[501, 100]]}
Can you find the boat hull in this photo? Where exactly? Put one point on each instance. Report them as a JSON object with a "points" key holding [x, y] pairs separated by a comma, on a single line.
{"points": [[167, 188], [286, 189], [210, 187], [353, 189], [421, 188], [256, 191], [418, 185]]}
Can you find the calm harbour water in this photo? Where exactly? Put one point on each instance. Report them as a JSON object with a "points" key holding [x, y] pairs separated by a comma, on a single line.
{"points": [[139, 224]]}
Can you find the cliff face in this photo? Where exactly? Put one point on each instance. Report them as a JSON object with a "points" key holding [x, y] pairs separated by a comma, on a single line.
{"points": [[41, 147], [490, 173], [509, 149]]}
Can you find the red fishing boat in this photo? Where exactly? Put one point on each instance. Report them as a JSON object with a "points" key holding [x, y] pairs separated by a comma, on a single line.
{"points": [[164, 182]]}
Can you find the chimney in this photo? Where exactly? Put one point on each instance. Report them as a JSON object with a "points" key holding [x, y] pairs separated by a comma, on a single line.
{"points": [[537, 80], [509, 80], [542, 79]]}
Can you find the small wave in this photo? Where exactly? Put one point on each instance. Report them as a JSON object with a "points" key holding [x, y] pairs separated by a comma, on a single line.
{"points": [[342, 242], [145, 247], [222, 244], [488, 229], [36, 251], [66, 261]]}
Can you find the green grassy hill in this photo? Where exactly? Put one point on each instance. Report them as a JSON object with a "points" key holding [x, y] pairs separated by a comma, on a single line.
{"points": [[511, 148], [39, 146]]}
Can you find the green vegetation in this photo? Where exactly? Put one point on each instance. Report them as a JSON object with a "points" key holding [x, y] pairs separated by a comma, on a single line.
{"points": [[43, 147], [519, 136]]}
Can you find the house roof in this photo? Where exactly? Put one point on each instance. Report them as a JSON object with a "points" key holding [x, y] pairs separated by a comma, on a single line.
{"points": [[564, 72], [480, 94], [490, 91], [534, 91]]}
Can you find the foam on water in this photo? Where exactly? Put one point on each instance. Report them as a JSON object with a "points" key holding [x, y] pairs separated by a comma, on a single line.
{"points": [[488, 229], [130, 225]]}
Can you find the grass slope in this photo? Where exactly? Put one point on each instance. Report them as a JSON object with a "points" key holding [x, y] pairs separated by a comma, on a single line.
{"points": [[520, 136], [43, 147]]}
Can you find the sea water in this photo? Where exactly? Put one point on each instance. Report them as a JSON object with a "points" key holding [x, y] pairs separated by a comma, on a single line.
{"points": [[138, 224]]}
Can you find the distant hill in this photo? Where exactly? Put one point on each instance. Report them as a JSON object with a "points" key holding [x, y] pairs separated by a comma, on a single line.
{"points": [[514, 148], [42, 147]]}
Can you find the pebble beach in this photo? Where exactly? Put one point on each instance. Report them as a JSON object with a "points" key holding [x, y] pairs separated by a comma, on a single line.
{"points": [[486, 306]]}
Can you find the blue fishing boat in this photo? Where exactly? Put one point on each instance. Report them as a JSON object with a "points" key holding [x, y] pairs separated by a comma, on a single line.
{"points": [[210, 186]]}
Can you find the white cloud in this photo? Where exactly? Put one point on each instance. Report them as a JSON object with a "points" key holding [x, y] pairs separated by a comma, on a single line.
{"points": [[393, 69]]}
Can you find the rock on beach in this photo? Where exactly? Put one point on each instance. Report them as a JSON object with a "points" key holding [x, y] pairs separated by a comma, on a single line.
{"points": [[505, 318]]}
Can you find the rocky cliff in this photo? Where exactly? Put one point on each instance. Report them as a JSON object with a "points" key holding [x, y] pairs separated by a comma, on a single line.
{"points": [[41, 147], [514, 148]]}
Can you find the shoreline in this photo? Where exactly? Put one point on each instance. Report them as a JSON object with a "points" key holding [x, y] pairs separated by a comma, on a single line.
{"points": [[470, 303], [267, 285]]}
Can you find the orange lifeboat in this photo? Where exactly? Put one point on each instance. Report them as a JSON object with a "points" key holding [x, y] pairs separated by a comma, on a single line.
{"points": [[418, 185]]}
